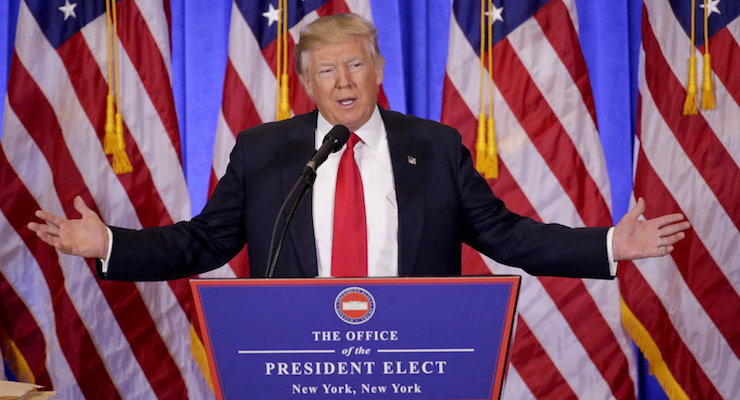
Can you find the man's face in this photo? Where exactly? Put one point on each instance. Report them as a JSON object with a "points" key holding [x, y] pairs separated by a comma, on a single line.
{"points": [[343, 81]]}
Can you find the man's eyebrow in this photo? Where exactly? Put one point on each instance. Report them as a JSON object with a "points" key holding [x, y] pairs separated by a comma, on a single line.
{"points": [[358, 57]]}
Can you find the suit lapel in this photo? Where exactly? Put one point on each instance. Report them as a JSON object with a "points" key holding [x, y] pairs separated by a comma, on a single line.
{"points": [[408, 166], [408, 170], [298, 150]]}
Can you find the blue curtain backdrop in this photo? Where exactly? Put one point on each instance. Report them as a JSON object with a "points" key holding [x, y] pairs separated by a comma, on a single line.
{"points": [[413, 39]]}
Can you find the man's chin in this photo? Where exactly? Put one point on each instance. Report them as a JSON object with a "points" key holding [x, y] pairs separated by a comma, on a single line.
{"points": [[352, 119], [354, 123]]}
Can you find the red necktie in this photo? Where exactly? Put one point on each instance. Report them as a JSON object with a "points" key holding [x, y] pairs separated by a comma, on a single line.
{"points": [[349, 243]]}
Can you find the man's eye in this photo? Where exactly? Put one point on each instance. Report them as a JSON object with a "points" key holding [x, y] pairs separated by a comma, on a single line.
{"points": [[326, 71], [355, 65]]}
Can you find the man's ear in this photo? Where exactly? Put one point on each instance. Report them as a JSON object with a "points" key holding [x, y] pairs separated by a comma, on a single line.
{"points": [[306, 83], [379, 72]]}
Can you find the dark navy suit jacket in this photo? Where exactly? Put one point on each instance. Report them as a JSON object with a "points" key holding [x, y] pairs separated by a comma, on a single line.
{"points": [[442, 202]]}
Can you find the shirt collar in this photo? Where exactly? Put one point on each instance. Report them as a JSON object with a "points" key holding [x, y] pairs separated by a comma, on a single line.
{"points": [[370, 133]]}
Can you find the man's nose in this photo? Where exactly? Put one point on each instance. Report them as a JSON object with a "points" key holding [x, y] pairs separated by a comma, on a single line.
{"points": [[344, 78]]}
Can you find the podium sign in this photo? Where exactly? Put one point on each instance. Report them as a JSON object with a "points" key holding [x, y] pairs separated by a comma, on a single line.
{"points": [[395, 338]]}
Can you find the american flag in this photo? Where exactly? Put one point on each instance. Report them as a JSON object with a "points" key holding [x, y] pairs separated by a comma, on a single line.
{"points": [[250, 84], [62, 328], [682, 310], [569, 340]]}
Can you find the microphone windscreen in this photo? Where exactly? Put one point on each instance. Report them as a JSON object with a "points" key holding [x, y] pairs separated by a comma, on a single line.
{"points": [[338, 135]]}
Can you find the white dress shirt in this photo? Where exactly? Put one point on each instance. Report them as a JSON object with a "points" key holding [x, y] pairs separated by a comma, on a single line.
{"points": [[373, 158]]}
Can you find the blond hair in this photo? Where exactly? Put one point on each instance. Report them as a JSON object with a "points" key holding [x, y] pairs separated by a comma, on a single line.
{"points": [[332, 29]]}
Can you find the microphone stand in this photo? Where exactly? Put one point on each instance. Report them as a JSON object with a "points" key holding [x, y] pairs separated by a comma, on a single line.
{"points": [[305, 181], [333, 141]]}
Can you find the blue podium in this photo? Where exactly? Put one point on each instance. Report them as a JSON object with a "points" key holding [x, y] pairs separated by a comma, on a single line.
{"points": [[365, 338]]}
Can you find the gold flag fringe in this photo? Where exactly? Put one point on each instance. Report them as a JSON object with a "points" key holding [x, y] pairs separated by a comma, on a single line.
{"points": [[486, 161], [281, 73], [652, 354], [113, 142], [707, 94]]}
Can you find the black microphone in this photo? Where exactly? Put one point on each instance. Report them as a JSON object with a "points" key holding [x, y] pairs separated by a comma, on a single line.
{"points": [[333, 141]]}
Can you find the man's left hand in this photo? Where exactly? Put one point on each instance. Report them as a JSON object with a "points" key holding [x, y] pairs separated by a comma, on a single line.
{"points": [[634, 238]]}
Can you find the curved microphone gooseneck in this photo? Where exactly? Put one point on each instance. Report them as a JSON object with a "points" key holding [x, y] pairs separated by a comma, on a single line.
{"points": [[333, 141]]}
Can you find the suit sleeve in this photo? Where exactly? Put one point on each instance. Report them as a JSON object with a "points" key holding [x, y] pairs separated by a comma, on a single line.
{"points": [[538, 248], [190, 247]]}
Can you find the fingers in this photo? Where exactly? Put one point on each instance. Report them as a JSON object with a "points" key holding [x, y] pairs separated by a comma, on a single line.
{"points": [[669, 240], [640, 206], [662, 251], [48, 234], [44, 229], [50, 218], [81, 207], [674, 228], [638, 209], [668, 219]]}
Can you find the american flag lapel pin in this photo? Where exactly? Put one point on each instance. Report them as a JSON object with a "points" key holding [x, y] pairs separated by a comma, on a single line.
{"points": [[411, 160]]}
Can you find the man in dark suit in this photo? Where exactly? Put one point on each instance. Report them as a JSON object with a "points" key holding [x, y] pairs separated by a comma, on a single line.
{"points": [[422, 195]]}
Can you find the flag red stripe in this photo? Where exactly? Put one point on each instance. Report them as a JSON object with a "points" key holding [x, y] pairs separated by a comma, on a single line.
{"points": [[505, 187], [237, 107], [708, 284], [709, 156], [181, 289], [725, 59], [300, 103], [125, 301], [508, 190], [212, 182], [147, 59], [548, 135], [647, 307], [472, 263], [168, 16], [74, 338], [462, 119], [240, 263], [333, 7], [577, 307], [535, 366], [22, 329], [299, 100], [591, 329], [147, 345], [571, 297], [555, 21], [92, 89]]}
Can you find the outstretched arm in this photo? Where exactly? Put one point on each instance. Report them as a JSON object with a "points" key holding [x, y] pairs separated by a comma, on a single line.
{"points": [[634, 238], [85, 237]]}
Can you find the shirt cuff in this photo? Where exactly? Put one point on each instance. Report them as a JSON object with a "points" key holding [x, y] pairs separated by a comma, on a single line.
{"points": [[104, 261], [610, 252]]}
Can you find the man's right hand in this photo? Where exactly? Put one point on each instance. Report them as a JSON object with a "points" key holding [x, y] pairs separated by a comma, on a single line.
{"points": [[85, 237]]}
